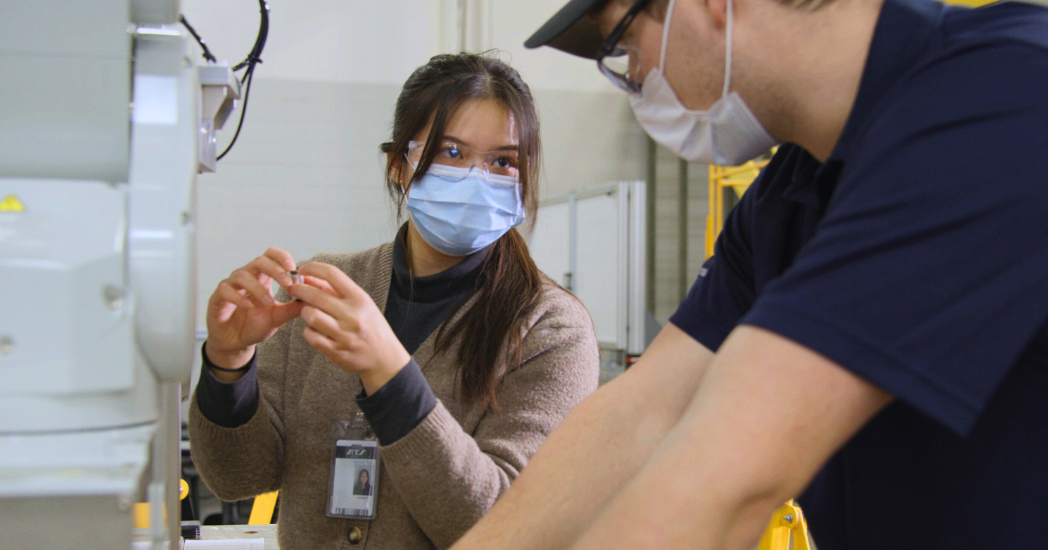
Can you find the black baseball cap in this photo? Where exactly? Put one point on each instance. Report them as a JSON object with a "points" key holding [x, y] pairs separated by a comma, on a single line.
{"points": [[571, 31]]}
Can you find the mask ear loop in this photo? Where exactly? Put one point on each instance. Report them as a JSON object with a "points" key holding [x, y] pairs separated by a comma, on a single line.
{"points": [[727, 53], [665, 37]]}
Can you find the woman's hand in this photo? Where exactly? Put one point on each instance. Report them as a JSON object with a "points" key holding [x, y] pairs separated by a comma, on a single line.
{"points": [[347, 327], [242, 312]]}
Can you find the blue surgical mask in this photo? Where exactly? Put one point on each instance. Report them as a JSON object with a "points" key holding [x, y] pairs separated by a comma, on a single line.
{"points": [[459, 211]]}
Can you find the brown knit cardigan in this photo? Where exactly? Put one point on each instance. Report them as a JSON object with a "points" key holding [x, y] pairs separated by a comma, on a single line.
{"points": [[435, 482]]}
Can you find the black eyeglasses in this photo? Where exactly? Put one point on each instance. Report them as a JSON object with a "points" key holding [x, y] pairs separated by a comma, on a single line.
{"points": [[619, 73]]}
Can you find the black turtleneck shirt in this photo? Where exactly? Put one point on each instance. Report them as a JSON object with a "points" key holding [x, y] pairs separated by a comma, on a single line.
{"points": [[416, 306]]}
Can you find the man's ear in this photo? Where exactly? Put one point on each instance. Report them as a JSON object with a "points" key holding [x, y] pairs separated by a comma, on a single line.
{"points": [[718, 12]]}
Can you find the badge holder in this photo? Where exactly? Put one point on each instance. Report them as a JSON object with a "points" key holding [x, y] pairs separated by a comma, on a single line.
{"points": [[353, 490]]}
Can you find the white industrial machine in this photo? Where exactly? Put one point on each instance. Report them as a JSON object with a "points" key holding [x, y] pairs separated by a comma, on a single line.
{"points": [[105, 120]]}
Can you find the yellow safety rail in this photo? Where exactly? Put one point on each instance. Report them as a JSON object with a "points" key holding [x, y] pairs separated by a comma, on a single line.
{"points": [[262, 509], [725, 179], [787, 522], [141, 509]]}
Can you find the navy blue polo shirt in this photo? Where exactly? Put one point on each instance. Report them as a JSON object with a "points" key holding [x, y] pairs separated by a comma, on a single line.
{"points": [[916, 257]]}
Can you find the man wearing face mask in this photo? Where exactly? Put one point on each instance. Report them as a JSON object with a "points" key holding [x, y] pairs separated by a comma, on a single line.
{"points": [[870, 334]]}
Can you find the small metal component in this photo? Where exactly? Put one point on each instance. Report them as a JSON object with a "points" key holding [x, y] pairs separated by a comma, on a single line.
{"points": [[7, 346], [296, 279], [113, 296], [788, 518]]}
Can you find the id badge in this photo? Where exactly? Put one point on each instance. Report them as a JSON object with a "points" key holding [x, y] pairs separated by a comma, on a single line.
{"points": [[354, 470]]}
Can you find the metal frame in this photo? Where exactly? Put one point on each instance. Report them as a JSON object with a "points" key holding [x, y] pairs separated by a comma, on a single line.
{"points": [[721, 179], [639, 269], [633, 265]]}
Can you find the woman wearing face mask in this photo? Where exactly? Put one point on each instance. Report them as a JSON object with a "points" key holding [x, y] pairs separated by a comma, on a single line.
{"points": [[446, 343]]}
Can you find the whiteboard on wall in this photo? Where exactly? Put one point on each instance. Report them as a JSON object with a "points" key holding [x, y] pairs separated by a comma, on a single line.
{"points": [[592, 242], [596, 277], [550, 244]]}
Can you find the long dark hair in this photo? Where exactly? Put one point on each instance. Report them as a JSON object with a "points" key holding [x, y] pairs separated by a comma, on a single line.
{"points": [[510, 282]]}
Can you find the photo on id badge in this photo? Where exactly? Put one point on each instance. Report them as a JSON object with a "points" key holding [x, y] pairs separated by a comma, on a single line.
{"points": [[354, 479]]}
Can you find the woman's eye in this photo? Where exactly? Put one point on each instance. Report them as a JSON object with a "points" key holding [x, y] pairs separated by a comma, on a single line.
{"points": [[505, 162], [450, 151]]}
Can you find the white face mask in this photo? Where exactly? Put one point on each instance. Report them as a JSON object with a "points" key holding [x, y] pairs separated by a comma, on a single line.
{"points": [[727, 134]]}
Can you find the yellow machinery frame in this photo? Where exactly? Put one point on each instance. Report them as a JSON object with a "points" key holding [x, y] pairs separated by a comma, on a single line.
{"points": [[785, 524], [723, 179], [261, 510]]}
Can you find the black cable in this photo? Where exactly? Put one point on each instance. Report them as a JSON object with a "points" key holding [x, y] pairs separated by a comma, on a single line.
{"points": [[260, 41], [192, 509], [253, 58], [243, 109], [207, 53]]}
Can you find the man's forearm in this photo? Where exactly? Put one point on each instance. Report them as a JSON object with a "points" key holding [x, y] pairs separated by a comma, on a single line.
{"points": [[596, 450], [766, 416]]}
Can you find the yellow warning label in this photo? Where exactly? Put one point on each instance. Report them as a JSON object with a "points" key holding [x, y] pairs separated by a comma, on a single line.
{"points": [[12, 204]]}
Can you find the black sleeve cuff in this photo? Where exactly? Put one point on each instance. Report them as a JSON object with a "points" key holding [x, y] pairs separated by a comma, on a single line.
{"points": [[396, 408], [229, 404]]}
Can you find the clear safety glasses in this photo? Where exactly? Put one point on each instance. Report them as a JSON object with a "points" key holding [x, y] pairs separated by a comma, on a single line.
{"points": [[619, 63], [503, 162], [621, 67]]}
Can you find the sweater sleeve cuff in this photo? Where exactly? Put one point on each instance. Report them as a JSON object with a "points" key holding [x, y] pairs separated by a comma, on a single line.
{"points": [[399, 406], [228, 404]]}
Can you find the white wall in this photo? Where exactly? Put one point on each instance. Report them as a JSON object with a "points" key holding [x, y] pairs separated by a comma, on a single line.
{"points": [[513, 21], [381, 42], [668, 288], [323, 40], [306, 175]]}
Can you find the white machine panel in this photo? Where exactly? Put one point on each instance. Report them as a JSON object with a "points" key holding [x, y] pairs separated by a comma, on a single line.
{"points": [[162, 233], [97, 235], [66, 92], [67, 324]]}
